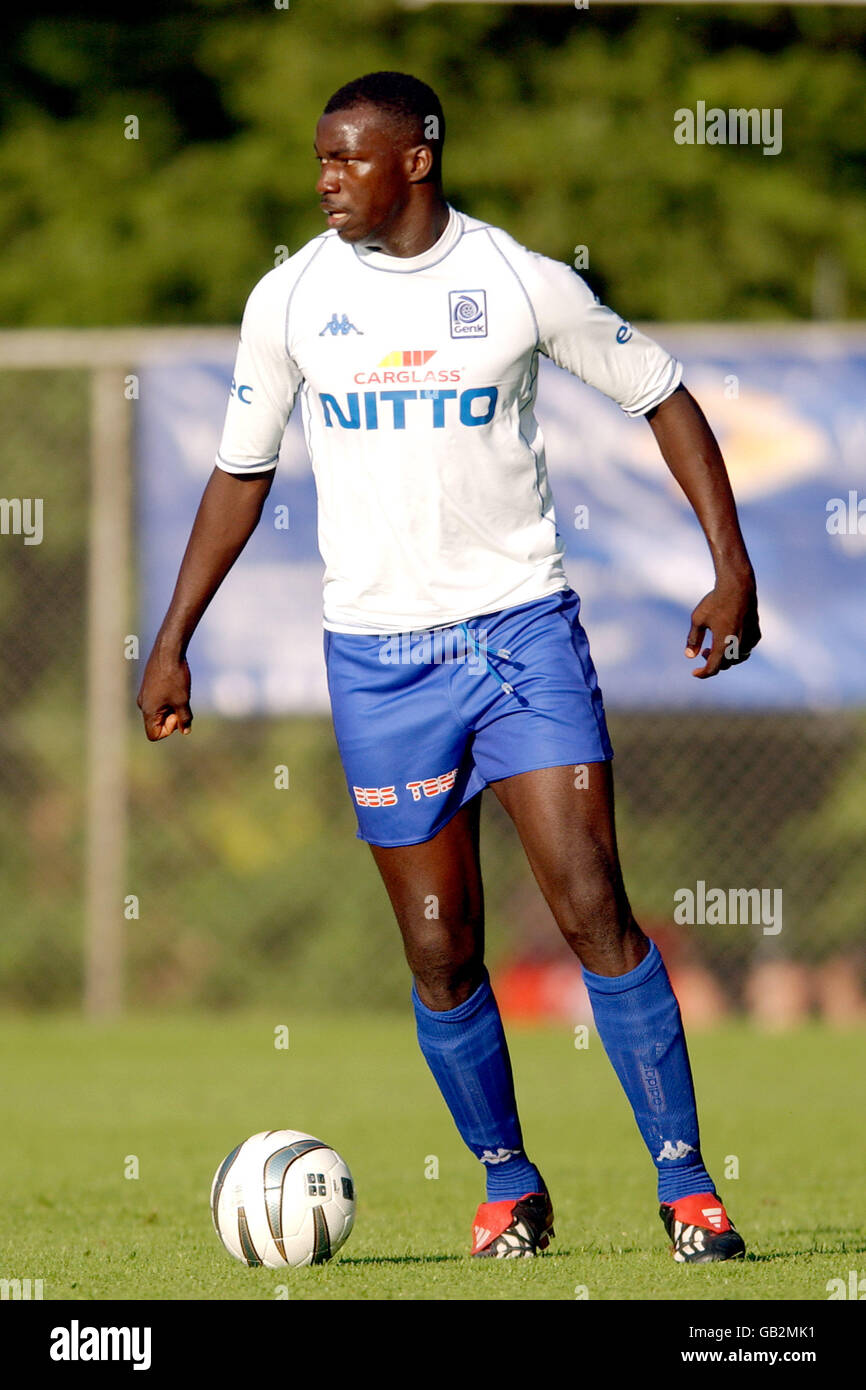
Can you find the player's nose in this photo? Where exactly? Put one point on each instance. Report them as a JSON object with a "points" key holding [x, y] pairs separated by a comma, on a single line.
{"points": [[327, 182]]}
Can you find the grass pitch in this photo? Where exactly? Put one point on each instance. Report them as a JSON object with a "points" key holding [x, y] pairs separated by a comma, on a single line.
{"points": [[83, 1103]]}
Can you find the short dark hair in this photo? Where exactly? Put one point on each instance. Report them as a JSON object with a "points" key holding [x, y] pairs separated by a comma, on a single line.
{"points": [[408, 100]]}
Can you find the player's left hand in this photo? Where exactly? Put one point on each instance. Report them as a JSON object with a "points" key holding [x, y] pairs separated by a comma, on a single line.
{"points": [[730, 613]]}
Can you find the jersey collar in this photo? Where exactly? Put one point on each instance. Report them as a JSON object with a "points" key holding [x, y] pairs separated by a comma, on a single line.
{"points": [[405, 265]]}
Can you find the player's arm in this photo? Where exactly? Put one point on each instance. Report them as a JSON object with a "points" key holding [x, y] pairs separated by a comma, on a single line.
{"points": [[587, 338], [730, 610], [264, 386], [228, 513]]}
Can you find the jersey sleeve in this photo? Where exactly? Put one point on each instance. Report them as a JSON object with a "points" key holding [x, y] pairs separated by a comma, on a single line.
{"points": [[264, 384], [579, 333]]}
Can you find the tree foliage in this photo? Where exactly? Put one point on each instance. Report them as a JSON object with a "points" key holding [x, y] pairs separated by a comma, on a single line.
{"points": [[560, 128]]}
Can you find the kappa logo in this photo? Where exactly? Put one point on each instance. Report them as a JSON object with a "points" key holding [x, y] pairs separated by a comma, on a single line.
{"points": [[675, 1151], [468, 313], [336, 325], [493, 1156]]}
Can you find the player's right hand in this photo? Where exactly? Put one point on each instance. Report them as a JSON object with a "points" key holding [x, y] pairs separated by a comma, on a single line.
{"points": [[164, 697]]}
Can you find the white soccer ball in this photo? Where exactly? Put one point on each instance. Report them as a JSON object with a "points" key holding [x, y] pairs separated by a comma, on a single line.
{"points": [[283, 1198]]}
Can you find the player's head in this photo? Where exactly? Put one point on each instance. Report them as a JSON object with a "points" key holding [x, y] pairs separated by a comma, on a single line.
{"points": [[379, 143]]}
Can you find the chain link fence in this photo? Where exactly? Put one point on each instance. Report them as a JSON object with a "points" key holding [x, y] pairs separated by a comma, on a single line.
{"points": [[44, 465], [238, 892]]}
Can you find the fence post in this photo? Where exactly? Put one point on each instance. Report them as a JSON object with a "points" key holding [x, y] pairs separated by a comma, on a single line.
{"points": [[107, 691]]}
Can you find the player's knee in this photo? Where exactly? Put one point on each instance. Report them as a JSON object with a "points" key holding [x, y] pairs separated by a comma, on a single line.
{"points": [[442, 990], [594, 912], [604, 938], [447, 965]]}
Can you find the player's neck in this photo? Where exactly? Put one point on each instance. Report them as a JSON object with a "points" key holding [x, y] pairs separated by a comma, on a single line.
{"points": [[419, 228]]}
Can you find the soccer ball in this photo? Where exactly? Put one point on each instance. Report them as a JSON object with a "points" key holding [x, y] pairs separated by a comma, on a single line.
{"points": [[283, 1198]]}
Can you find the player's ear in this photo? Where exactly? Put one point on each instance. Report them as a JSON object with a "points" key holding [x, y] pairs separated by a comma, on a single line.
{"points": [[419, 163]]}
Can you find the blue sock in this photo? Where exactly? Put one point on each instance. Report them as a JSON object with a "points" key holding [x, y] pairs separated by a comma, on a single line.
{"points": [[638, 1021], [466, 1051]]}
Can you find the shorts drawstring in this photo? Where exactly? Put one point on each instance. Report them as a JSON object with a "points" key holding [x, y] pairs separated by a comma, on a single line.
{"points": [[480, 649]]}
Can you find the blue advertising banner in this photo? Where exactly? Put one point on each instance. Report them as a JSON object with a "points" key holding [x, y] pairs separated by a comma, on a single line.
{"points": [[789, 409]]}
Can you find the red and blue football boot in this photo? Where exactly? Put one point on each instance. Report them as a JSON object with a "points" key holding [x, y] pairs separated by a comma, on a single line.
{"points": [[513, 1230], [700, 1230]]}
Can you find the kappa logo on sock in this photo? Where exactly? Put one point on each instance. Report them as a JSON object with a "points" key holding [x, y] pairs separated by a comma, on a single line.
{"points": [[713, 1215], [675, 1151], [492, 1156]]}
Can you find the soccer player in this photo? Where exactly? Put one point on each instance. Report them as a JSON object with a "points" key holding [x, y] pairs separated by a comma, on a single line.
{"points": [[454, 651]]}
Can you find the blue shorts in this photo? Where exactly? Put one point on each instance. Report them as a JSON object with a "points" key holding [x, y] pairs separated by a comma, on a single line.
{"points": [[425, 720]]}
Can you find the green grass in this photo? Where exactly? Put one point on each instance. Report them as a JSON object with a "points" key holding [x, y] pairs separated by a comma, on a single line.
{"points": [[180, 1092]]}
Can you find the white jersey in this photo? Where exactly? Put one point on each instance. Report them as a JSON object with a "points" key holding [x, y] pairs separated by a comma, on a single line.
{"points": [[417, 378]]}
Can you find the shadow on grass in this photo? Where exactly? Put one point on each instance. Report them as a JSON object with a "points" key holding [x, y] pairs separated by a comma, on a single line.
{"points": [[400, 1259], [843, 1249], [845, 1245], [454, 1259]]}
